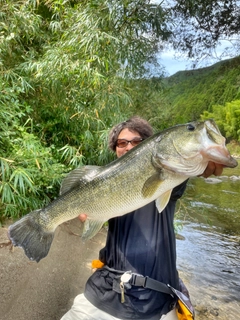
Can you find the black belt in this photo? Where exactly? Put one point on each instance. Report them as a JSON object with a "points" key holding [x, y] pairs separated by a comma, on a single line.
{"points": [[146, 282], [149, 283], [138, 280], [129, 278]]}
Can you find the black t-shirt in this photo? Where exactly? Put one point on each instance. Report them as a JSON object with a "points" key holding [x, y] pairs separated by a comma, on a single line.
{"points": [[144, 242]]}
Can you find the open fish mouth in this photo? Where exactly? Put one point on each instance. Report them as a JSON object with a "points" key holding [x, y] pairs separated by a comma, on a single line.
{"points": [[214, 148], [219, 155]]}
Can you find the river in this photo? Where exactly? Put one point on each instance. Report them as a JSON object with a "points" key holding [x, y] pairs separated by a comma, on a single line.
{"points": [[209, 251]]}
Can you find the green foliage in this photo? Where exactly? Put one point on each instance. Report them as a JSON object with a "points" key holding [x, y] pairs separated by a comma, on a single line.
{"points": [[64, 66], [234, 148], [148, 102], [29, 174], [227, 118]]}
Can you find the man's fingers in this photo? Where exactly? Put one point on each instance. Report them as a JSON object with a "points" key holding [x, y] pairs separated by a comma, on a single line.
{"points": [[218, 169], [213, 168], [82, 217]]}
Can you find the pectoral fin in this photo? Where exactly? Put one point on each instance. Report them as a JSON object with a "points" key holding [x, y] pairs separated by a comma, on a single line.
{"points": [[163, 200], [91, 228], [151, 185]]}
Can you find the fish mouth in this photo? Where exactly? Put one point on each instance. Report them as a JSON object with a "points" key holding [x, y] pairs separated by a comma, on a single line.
{"points": [[220, 155], [214, 146]]}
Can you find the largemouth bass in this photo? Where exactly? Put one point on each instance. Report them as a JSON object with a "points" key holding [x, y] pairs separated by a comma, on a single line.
{"points": [[146, 173]]}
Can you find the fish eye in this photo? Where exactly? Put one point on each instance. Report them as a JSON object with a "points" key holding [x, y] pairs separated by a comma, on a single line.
{"points": [[190, 127]]}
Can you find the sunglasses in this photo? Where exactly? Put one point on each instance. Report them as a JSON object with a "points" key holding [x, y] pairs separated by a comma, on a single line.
{"points": [[122, 143]]}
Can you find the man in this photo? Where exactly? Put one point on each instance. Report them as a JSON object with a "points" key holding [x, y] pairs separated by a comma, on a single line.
{"points": [[143, 242]]}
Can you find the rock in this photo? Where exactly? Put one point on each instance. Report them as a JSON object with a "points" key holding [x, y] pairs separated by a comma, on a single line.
{"points": [[213, 180]]}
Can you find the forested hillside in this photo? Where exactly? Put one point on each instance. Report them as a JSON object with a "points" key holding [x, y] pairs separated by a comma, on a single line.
{"points": [[211, 92], [190, 93]]}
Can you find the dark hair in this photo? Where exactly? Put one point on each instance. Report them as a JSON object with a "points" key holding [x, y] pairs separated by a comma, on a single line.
{"points": [[135, 123]]}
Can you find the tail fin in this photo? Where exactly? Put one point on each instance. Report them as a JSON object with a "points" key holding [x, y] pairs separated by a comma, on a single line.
{"points": [[30, 235]]}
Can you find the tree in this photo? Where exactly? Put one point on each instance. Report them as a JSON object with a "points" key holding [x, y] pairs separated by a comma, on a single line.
{"points": [[227, 118], [199, 26], [64, 67]]}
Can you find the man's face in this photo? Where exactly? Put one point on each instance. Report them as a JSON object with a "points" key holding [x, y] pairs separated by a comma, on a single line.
{"points": [[129, 136]]}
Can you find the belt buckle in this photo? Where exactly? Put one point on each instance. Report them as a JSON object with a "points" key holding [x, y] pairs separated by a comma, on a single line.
{"points": [[138, 280], [134, 279], [126, 277]]}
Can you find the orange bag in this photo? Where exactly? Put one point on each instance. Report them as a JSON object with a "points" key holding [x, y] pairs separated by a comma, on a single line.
{"points": [[183, 312]]}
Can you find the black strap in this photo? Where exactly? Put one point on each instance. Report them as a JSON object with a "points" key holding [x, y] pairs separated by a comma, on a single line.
{"points": [[149, 283], [145, 282]]}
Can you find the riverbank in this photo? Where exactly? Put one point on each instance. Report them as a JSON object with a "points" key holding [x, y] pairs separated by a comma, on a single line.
{"points": [[45, 290], [234, 149]]}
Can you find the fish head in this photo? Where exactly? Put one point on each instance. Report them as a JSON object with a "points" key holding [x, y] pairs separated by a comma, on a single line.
{"points": [[187, 149]]}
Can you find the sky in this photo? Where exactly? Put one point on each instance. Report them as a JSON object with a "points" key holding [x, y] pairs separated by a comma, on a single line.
{"points": [[173, 65]]}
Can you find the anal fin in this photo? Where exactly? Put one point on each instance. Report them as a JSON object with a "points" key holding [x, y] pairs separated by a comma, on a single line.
{"points": [[162, 201], [91, 228]]}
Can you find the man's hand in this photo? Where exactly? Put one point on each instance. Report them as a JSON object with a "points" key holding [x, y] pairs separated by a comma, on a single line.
{"points": [[82, 217], [213, 168]]}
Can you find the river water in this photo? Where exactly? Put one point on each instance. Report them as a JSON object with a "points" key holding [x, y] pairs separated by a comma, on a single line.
{"points": [[209, 251]]}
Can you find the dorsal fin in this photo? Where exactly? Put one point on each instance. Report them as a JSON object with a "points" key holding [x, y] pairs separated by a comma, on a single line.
{"points": [[78, 176]]}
